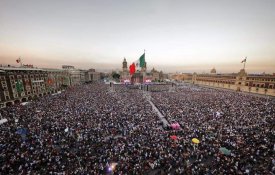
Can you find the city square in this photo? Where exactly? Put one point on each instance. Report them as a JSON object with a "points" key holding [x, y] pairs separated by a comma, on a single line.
{"points": [[87, 128], [148, 87]]}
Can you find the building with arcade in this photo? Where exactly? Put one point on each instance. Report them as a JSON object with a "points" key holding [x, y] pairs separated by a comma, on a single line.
{"points": [[241, 81], [21, 84]]}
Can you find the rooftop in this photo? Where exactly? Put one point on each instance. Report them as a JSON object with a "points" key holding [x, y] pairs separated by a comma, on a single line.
{"points": [[20, 68]]}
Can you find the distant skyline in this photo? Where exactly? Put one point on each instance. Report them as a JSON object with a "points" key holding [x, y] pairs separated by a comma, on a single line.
{"points": [[178, 35]]}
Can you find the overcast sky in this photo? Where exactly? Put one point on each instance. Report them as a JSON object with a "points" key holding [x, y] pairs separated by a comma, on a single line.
{"points": [[183, 36]]}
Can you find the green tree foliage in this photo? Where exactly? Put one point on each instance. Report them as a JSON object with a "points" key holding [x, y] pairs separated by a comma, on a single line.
{"points": [[115, 75]]}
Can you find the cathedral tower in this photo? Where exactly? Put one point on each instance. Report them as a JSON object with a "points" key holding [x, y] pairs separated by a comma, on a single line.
{"points": [[124, 65]]}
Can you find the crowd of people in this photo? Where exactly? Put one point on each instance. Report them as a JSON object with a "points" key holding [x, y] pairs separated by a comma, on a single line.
{"points": [[242, 123], [97, 129]]}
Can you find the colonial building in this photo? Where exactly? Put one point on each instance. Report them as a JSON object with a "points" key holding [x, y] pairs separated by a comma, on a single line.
{"points": [[158, 75], [260, 83], [140, 76], [155, 74], [91, 75], [57, 78], [77, 76], [182, 77], [20, 84], [125, 74]]}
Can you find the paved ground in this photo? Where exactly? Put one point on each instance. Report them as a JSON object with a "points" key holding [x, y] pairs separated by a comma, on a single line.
{"points": [[161, 117]]}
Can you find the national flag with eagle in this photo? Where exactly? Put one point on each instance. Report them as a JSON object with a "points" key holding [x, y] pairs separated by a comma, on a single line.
{"points": [[138, 64]]}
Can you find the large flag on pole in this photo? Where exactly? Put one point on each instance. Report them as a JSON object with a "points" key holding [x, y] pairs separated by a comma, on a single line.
{"points": [[140, 63], [137, 65], [244, 61], [18, 60]]}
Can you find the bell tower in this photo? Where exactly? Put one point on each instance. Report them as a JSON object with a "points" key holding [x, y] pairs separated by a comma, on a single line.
{"points": [[124, 65]]}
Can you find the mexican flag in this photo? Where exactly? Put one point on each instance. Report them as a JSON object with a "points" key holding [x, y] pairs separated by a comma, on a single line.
{"points": [[138, 64]]}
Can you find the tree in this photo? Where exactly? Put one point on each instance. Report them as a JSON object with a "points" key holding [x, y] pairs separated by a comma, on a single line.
{"points": [[115, 75]]}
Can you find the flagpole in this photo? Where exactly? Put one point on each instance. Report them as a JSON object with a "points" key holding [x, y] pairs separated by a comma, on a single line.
{"points": [[20, 60], [244, 63]]}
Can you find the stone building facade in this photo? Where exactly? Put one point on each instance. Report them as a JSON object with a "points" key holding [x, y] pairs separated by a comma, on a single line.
{"points": [[260, 83], [140, 76], [125, 76], [20, 84], [91, 75]]}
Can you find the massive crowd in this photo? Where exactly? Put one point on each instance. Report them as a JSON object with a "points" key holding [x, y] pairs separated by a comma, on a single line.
{"points": [[242, 123], [95, 129]]}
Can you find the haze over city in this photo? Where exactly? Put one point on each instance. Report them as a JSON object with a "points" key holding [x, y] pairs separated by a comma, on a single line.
{"points": [[183, 36]]}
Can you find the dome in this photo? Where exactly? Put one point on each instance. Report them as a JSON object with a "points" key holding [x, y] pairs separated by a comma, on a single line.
{"points": [[213, 71]]}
